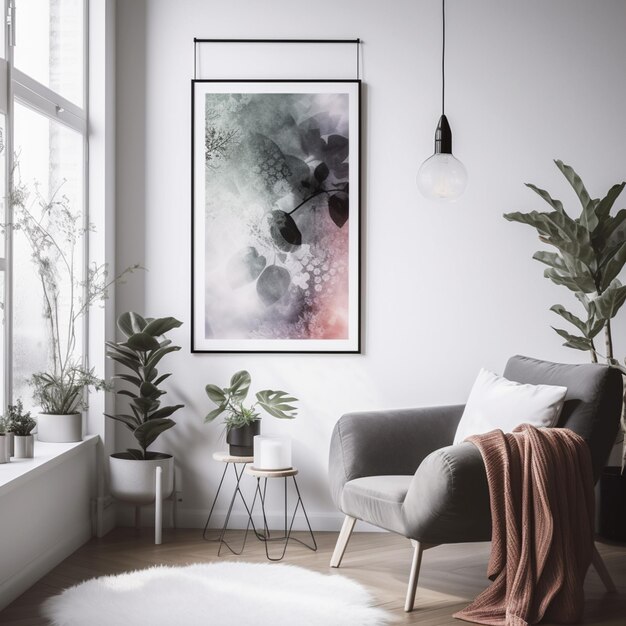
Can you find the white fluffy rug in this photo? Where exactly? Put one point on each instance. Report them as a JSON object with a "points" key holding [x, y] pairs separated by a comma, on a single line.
{"points": [[216, 594]]}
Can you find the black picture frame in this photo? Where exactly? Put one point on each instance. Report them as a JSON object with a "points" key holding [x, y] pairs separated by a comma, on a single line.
{"points": [[346, 208]]}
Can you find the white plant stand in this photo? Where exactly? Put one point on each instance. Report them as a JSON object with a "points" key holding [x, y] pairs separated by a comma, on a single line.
{"points": [[158, 506]]}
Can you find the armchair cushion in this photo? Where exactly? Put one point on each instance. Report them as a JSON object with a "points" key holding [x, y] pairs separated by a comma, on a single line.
{"points": [[377, 499]]}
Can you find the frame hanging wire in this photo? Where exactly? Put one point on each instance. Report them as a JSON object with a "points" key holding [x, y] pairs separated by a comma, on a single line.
{"points": [[355, 42]]}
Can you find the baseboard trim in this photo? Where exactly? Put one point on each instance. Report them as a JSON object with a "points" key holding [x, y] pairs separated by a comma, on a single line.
{"points": [[196, 518], [19, 582]]}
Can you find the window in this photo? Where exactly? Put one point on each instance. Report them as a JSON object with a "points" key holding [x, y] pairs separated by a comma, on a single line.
{"points": [[45, 152]]}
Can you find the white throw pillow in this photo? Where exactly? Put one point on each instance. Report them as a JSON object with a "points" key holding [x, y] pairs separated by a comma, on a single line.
{"points": [[496, 402]]}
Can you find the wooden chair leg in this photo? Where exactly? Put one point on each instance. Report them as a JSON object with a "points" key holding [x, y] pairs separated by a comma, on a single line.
{"points": [[600, 567], [342, 540], [415, 572]]}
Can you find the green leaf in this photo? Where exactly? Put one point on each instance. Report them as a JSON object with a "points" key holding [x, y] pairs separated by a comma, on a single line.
{"points": [[239, 385], [608, 304], [613, 267], [605, 205], [161, 325], [131, 323], [148, 390], [215, 394], [215, 413], [160, 379], [570, 317], [128, 420], [133, 380], [165, 411], [142, 342], [555, 204], [552, 259], [574, 283], [135, 454], [572, 341], [132, 365], [274, 403], [594, 328], [145, 405], [588, 216], [147, 433], [157, 355]]}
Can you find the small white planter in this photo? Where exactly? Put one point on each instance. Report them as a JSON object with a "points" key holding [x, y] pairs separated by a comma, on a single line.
{"points": [[59, 428], [134, 481], [11, 443], [5, 457], [24, 446]]}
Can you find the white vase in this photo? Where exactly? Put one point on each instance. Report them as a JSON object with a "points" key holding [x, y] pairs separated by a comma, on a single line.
{"points": [[134, 481], [59, 428], [24, 446], [5, 457]]}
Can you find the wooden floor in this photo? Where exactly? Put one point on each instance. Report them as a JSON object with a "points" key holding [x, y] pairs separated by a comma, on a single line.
{"points": [[451, 575]]}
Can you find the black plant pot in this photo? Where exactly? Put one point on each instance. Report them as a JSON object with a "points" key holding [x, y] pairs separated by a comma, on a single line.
{"points": [[241, 440], [613, 504]]}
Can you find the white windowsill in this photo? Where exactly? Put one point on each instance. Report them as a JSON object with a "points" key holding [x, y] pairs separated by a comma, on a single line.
{"points": [[47, 455]]}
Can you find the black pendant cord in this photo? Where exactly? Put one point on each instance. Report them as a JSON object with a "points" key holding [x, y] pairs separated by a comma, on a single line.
{"points": [[443, 57]]}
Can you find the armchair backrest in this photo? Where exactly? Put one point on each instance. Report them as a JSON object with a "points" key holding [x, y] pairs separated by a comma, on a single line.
{"points": [[593, 402]]}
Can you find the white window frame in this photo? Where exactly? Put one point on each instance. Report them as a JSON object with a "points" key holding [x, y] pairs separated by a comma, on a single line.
{"points": [[29, 92]]}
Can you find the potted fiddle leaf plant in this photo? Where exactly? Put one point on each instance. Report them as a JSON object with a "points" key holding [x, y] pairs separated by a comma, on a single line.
{"points": [[587, 255], [22, 425], [55, 234], [144, 346], [244, 422]]}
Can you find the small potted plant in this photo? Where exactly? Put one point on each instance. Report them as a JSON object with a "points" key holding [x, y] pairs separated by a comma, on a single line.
{"points": [[243, 423], [22, 425], [62, 398], [132, 472], [5, 455]]}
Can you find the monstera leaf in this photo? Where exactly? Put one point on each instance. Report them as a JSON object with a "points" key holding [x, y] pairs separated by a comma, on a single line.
{"points": [[273, 284]]}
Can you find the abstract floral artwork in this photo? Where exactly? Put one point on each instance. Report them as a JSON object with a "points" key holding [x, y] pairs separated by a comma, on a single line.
{"points": [[275, 216]]}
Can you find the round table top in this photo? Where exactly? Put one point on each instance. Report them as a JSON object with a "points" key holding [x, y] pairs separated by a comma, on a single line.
{"points": [[261, 473], [225, 457]]}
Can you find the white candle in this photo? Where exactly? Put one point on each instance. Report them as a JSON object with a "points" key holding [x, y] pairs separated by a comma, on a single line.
{"points": [[272, 453]]}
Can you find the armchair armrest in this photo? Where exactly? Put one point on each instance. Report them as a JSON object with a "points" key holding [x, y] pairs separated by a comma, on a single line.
{"points": [[448, 500], [391, 442]]}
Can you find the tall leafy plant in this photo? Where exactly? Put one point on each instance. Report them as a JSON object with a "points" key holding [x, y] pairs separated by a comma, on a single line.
{"points": [[141, 351], [589, 253], [55, 234]]}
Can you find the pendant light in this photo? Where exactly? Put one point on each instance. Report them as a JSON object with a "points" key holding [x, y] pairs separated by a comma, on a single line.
{"points": [[442, 176]]}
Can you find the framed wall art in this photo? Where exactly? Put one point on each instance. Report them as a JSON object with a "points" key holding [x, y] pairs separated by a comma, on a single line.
{"points": [[275, 216]]}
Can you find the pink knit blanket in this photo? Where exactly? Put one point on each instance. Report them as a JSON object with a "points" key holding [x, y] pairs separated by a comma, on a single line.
{"points": [[542, 511]]}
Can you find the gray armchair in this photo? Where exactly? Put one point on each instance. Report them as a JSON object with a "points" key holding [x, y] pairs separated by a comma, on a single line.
{"points": [[398, 470]]}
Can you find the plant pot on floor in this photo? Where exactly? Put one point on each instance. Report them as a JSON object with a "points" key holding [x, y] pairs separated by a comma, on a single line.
{"points": [[613, 504], [24, 446], [60, 428], [241, 439], [5, 457], [134, 481]]}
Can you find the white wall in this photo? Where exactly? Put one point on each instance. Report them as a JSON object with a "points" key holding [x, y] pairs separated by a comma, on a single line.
{"points": [[447, 288]]}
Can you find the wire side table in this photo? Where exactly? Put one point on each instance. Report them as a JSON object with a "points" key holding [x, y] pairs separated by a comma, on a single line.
{"points": [[234, 461], [261, 493]]}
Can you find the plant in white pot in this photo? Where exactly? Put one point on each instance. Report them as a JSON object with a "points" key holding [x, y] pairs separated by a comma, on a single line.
{"points": [[132, 472], [22, 425], [5, 455], [243, 423], [55, 235]]}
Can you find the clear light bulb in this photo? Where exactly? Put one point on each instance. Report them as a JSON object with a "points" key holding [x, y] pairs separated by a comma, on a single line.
{"points": [[442, 177]]}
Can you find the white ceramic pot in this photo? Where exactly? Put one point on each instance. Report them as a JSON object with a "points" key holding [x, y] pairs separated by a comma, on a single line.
{"points": [[11, 443], [5, 457], [24, 446], [134, 481], [59, 428]]}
